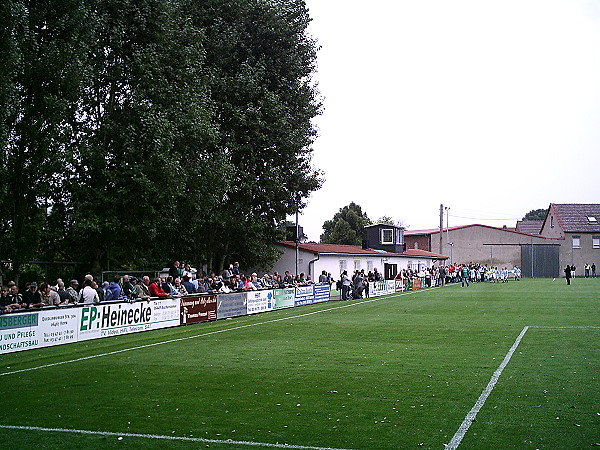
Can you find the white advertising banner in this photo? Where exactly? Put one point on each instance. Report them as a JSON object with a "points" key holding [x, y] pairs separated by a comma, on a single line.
{"points": [[100, 320], [37, 329], [259, 301]]}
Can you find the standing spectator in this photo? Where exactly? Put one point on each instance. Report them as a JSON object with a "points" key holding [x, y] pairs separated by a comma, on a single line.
{"points": [[586, 270], [88, 295], [593, 270], [174, 269], [236, 268], [72, 291], [568, 274], [346, 282], [62, 293], [114, 288]]}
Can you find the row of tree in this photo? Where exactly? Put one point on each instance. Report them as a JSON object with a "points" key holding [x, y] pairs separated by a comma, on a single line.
{"points": [[134, 132]]}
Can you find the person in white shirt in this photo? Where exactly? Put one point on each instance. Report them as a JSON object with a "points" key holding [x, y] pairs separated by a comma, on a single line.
{"points": [[88, 294]]}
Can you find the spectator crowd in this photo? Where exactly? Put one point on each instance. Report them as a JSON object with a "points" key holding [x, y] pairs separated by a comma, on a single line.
{"points": [[181, 280]]}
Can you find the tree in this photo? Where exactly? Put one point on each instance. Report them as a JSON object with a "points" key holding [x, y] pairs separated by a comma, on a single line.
{"points": [[346, 227], [134, 133], [536, 214], [389, 221]]}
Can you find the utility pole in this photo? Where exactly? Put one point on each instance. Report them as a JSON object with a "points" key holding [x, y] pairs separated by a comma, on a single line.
{"points": [[441, 226]]}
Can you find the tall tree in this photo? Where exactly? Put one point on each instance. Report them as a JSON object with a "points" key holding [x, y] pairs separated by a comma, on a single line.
{"points": [[39, 81], [346, 227], [260, 60], [135, 132]]}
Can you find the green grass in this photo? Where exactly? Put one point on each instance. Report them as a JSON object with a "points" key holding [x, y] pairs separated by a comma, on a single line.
{"points": [[396, 372]]}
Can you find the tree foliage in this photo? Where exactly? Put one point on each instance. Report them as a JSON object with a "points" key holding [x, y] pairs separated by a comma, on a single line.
{"points": [[536, 214], [346, 227], [136, 132]]}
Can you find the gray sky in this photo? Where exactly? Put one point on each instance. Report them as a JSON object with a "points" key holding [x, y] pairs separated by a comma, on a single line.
{"points": [[491, 107]]}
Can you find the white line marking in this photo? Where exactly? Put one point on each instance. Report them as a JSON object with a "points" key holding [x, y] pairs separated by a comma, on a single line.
{"points": [[470, 417], [575, 327], [169, 438], [210, 333]]}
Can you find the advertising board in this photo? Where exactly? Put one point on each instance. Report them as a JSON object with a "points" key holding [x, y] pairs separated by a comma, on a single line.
{"points": [[259, 301], [23, 331], [231, 305], [198, 308], [122, 318], [284, 298]]}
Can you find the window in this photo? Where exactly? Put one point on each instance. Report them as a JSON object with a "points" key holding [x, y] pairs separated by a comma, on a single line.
{"points": [[551, 221], [357, 264], [370, 265], [342, 265], [596, 241], [387, 236], [576, 241], [592, 219]]}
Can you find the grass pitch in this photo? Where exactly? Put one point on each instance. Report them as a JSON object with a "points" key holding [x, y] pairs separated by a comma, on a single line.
{"points": [[401, 371]]}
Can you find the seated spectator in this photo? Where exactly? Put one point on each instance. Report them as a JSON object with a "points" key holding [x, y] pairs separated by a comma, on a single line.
{"points": [[224, 287], [128, 288], [180, 287], [72, 291], [14, 299], [142, 290], [156, 289], [255, 281], [88, 295], [189, 287], [247, 284], [166, 284], [3, 296], [32, 296], [49, 296]]}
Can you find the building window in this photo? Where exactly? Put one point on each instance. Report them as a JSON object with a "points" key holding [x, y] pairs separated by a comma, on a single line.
{"points": [[342, 265], [357, 264], [592, 220], [387, 236], [551, 221], [370, 265], [596, 241], [576, 241]]}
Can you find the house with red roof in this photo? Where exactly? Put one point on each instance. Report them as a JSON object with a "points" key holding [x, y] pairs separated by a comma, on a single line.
{"points": [[382, 250]]}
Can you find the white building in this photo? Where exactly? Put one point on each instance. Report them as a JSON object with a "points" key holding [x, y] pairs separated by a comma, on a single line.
{"points": [[313, 259]]}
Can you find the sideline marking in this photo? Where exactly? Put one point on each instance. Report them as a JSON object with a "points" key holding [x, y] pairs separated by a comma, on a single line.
{"points": [[239, 327], [470, 417], [169, 438]]}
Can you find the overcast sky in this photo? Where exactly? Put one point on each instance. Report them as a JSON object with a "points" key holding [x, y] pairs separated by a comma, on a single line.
{"points": [[490, 107]]}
